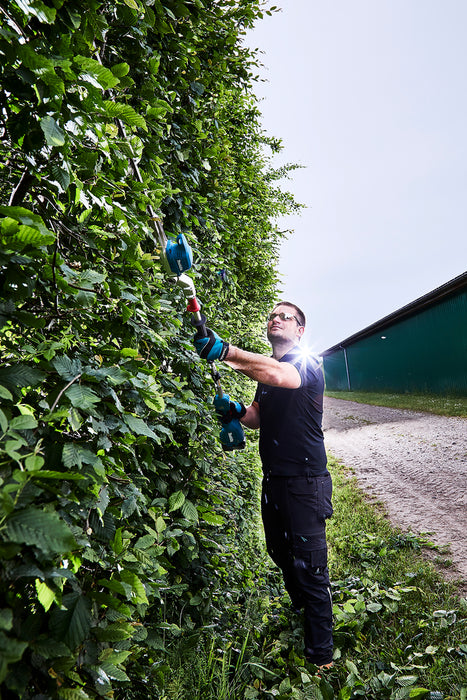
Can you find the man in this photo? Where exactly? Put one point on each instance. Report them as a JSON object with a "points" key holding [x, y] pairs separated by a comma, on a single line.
{"points": [[297, 488]]}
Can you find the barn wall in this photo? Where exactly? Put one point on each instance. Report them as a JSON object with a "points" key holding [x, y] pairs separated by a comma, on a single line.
{"points": [[423, 353]]}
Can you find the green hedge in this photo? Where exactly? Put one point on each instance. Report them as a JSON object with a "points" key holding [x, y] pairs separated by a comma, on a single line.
{"points": [[122, 524]]}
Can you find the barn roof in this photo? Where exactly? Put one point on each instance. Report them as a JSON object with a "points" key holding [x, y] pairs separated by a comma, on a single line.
{"points": [[433, 297]]}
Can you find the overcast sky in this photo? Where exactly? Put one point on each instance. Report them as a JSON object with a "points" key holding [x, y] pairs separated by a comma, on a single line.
{"points": [[371, 97]]}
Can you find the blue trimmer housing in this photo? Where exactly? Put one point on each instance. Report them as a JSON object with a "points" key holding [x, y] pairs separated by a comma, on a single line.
{"points": [[232, 436], [179, 255]]}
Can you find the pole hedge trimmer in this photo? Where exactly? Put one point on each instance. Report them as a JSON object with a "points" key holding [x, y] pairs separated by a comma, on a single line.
{"points": [[177, 259]]}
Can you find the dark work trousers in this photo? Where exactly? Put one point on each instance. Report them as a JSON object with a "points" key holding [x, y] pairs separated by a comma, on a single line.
{"points": [[294, 511]]}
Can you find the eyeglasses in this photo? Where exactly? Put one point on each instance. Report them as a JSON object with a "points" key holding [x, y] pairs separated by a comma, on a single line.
{"points": [[284, 317]]}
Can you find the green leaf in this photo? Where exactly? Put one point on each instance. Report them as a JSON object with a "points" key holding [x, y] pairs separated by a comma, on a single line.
{"points": [[144, 542], [418, 692], [91, 277], [120, 69], [138, 592], [138, 426], [117, 542], [160, 524], [113, 672], [11, 650], [40, 528], [71, 625], [8, 226], [115, 633], [49, 474], [39, 9], [124, 112], [34, 463], [114, 657], [129, 352], [155, 403], [189, 511], [24, 216], [34, 60], [20, 375], [5, 394], [405, 681], [52, 132], [431, 649], [31, 230], [352, 668], [114, 375], [82, 397], [71, 455], [95, 72], [6, 619], [212, 518], [45, 595], [374, 607], [326, 689], [67, 369], [7, 504], [75, 455], [176, 500], [197, 87], [61, 176], [3, 421], [73, 694], [75, 419], [27, 235], [23, 423]]}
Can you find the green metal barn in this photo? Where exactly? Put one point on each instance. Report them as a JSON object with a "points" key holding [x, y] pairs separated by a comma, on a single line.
{"points": [[421, 348]]}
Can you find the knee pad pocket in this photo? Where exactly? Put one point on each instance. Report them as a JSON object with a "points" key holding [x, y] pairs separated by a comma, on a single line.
{"points": [[316, 559]]}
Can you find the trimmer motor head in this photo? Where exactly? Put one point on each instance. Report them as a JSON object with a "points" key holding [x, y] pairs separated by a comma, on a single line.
{"points": [[178, 254]]}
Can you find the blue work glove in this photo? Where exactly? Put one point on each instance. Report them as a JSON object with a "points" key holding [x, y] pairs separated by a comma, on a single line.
{"points": [[227, 410], [232, 436], [210, 347]]}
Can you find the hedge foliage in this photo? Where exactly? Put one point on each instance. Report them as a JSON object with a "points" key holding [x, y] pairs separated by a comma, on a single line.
{"points": [[123, 526]]}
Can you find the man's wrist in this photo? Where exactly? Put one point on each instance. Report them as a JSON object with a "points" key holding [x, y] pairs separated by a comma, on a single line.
{"points": [[226, 351]]}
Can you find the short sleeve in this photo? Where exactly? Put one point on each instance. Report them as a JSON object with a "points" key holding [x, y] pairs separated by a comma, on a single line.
{"points": [[310, 371]]}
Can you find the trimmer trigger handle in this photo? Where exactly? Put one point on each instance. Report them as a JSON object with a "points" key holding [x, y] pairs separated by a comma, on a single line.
{"points": [[200, 325]]}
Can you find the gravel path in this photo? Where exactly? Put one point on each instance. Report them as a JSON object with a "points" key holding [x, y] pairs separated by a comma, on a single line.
{"points": [[415, 463]]}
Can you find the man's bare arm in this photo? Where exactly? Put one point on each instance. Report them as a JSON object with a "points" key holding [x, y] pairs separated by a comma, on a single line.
{"points": [[263, 369], [251, 417]]}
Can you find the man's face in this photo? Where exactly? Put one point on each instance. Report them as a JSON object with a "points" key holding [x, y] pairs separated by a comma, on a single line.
{"points": [[284, 330]]}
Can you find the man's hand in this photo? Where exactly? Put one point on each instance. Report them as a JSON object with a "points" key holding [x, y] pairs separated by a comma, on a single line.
{"points": [[228, 410], [229, 413], [210, 347]]}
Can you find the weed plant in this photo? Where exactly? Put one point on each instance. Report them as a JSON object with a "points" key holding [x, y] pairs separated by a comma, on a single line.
{"points": [[399, 629], [430, 403]]}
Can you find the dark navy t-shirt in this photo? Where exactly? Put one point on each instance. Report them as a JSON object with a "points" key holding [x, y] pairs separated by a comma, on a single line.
{"points": [[291, 439]]}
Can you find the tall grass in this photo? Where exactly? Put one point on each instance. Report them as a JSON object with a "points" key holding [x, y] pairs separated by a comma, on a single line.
{"points": [[430, 403]]}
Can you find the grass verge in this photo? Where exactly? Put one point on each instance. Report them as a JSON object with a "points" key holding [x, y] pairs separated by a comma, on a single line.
{"points": [[430, 403], [399, 629]]}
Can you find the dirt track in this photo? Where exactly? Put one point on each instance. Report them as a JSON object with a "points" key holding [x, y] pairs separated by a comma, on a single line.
{"points": [[415, 463]]}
